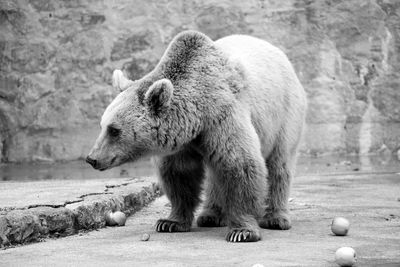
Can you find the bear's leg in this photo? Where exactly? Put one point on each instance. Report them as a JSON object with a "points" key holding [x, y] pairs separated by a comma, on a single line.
{"points": [[279, 164], [212, 214], [181, 176], [240, 183], [240, 177]]}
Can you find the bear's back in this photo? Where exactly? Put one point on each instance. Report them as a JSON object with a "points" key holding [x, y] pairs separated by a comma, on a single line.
{"points": [[272, 91], [268, 74], [248, 46], [262, 61]]}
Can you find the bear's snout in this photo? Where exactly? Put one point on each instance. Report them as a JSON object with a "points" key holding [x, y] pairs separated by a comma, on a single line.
{"points": [[92, 162], [100, 163]]}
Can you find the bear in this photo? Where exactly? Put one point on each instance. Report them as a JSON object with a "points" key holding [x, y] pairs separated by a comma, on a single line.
{"points": [[230, 112]]}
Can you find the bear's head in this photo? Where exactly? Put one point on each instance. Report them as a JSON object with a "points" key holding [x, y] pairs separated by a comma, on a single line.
{"points": [[128, 123], [164, 111]]}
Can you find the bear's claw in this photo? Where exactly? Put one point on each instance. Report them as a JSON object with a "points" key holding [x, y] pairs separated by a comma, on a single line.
{"points": [[243, 235], [171, 226], [276, 220]]}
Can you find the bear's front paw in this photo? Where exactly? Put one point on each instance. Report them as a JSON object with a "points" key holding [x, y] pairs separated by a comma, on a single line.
{"points": [[276, 220], [163, 225], [243, 235], [209, 219]]}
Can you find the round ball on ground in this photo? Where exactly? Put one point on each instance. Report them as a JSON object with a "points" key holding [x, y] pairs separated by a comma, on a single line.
{"points": [[145, 237], [119, 217], [340, 226], [345, 256], [110, 219]]}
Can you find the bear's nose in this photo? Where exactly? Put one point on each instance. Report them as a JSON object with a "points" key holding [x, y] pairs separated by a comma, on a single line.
{"points": [[91, 161]]}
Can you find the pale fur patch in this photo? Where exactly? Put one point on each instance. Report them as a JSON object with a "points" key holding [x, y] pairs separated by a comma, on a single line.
{"points": [[111, 110], [120, 83]]}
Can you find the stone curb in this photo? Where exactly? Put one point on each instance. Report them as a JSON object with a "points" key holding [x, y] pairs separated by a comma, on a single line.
{"points": [[35, 224]]}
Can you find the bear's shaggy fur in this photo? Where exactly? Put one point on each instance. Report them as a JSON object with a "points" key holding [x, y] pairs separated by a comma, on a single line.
{"points": [[232, 110]]}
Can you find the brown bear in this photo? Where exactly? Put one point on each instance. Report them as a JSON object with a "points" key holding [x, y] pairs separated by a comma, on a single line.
{"points": [[230, 110]]}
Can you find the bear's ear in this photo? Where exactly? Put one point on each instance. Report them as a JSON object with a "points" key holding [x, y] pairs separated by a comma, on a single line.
{"points": [[159, 95], [119, 81]]}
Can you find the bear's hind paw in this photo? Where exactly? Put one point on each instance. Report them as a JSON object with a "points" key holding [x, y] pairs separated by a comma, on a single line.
{"points": [[243, 235], [164, 225]]}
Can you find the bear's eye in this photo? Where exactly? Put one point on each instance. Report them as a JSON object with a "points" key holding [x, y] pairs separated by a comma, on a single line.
{"points": [[113, 132]]}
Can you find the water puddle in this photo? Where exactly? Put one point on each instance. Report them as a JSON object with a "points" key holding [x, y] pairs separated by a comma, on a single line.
{"points": [[80, 170], [348, 163]]}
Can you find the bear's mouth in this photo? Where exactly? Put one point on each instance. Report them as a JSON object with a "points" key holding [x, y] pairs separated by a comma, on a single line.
{"points": [[113, 160], [110, 165]]}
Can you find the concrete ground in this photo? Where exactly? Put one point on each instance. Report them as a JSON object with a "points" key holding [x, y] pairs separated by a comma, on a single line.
{"points": [[368, 198]]}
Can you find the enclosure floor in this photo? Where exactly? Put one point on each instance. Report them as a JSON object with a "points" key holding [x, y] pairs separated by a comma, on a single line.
{"points": [[369, 199]]}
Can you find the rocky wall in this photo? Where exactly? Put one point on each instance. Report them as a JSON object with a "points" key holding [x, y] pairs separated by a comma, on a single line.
{"points": [[57, 58]]}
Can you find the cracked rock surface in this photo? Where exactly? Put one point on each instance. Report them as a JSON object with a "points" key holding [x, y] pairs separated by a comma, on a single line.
{"points": [[31, 211]]}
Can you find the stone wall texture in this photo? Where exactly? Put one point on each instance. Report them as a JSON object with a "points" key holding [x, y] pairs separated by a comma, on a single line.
{"points": [[57, 58]]}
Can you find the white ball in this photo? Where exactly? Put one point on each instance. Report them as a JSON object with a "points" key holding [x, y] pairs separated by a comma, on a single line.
{"points": [[345, 256], [145, 237], [110, 219], [340, 226], [119, 218]]}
